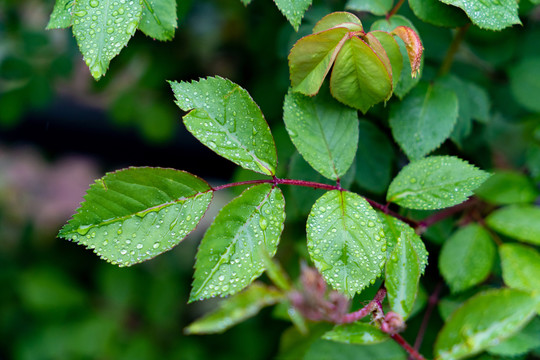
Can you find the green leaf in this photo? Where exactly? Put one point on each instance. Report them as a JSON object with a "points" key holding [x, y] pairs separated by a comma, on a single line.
{"points": [[61, 15], [377, 7], [521, 343], [437, 13], [236, 309], [135, 214], [484, 321], [424, 119], [396, 229], [293, 10], [520, 267], [231, 254], [159, 19], [475, 250], [312, 57], [489, 14], [507, 187], [324, 132], [518, 222], [402, 277], [374, 158], [102, 28], [406, 81], [435, 182], [338, 18], [359, 78], [346, 241], [325, 349], [226, 119], [533, 161], [391, 50], [356, 333], [525, 83]]}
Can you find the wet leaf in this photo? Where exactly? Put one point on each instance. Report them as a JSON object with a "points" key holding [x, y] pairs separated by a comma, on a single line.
{"points": [[489, 14], [520, 267], [346, 241], [325, 349], [324, 132], [159, 19], [236, 309], [135, 214], [293, 10], [484, 321], [518, 222], [475, 250], [521, 343], [102, 28], [61, 15], [424, 119], [231, 254], [356, 333], [435, 182], [225, 118]]}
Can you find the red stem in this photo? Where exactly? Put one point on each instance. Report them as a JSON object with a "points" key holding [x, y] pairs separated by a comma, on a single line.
{"points": [[432, 302], [443, 214], [404, 344], [376, 303], [395, 9]]}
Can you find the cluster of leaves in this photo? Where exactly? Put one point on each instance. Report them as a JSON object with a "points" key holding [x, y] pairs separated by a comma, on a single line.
{"points": [[135, 214]]}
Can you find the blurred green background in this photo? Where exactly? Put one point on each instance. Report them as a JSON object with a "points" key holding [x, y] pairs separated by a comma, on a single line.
{"points": [[60, 130]]}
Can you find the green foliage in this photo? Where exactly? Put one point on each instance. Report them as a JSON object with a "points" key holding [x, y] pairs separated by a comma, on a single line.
{"points": [[435, 183], [484, 321], [475, 250], [348, 259], [520, 267], [377, 7], [508, 187], [524, 81], [356, 333], [490, 14], [437, 13], [159, 19], [518, 222], [293, 10]]}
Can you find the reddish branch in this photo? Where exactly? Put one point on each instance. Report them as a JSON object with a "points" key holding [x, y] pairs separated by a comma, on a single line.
{"points": [[432, 302], [394, 9]]}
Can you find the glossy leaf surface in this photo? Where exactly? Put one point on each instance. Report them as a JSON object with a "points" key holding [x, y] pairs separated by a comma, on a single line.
{"points": [[520, 267], [312, 57], [356, 333], [236, 309], [475, 250], [391, 51], [489, 14], [159, 19], [231, 254], [338, 18], [359, 78], [346, 241], [225, 118], [424, 119], [438, 13], [135, 214], [293, 10], [518, 222], [435, 182], [102, 28], [324, 132], [484, 321], [61, 15]]}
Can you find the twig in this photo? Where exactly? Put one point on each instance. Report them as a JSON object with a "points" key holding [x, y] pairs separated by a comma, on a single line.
{"points": [[443, 214], [432, 302], [394, 9], [376, 303], [452, 50], [404, 344]]}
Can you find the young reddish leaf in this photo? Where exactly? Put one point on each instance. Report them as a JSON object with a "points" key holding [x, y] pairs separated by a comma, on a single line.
{"points": [[414, 46], [391, 48], [359, 78], [312, 57], [341, 19]]}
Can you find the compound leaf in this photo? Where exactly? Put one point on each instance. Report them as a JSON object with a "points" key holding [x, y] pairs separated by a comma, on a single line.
{"points": [[346, 241], [61, 15], [434, 183], [475, 250], [236, 309], [231, 254], [312, 57], [102, 28], [135, 214], [159, 19], [225, 118], [489, 14], [484, 321], [359, 78], [324, 132], [293, 10], [391, 51], [356, 333], [424, 119], [518, 222], [520, 267]]}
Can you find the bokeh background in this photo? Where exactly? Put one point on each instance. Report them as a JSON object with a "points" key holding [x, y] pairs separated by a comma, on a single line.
{"points": [[60, 130]]}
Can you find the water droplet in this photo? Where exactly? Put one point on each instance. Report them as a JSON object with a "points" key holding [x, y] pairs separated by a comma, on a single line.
{"points": [[156, 245], [263, 224], [139, 246], [94, 3], [80, 13]]}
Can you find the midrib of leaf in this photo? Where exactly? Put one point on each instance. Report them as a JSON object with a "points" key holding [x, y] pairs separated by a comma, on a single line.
{"points": [[154, 15], [101, 35], [327, 147], [342, 206], [233, 244]]}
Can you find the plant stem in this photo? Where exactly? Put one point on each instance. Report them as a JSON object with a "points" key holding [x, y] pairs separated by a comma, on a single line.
{"points": [[452, 50], [432, 302], [404, 344], [387, 211], [443, 214], [376, 303], [395, 9], [276, 181]]}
